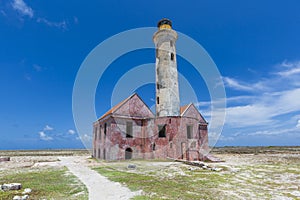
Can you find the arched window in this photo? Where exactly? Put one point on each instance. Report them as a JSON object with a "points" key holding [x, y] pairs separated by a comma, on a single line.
{"points": [[128, 154]]}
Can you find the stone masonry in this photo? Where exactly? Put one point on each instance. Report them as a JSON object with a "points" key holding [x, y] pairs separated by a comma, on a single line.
{"points": [[131, 131]]}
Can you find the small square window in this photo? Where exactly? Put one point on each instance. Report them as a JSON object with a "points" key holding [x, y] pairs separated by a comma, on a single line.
{"points": [[189, 131]]}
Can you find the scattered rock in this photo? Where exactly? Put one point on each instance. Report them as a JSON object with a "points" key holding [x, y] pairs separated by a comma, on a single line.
{"points": [[79, 194], [198, 163], [235, 170], [192, 168], [25, 197], [296, 193], [212, 158], [3, 159], [216, 169], [27, 191], [131, 166], [204, 167], [11, 186]]}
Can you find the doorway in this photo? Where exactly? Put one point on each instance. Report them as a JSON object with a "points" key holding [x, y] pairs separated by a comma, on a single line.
{"points": [[128, 154]]}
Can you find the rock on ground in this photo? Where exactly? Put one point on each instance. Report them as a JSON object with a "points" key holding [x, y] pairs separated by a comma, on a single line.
{"points": [[25, 197], [11, 186], [27, 191], [3, 159]]}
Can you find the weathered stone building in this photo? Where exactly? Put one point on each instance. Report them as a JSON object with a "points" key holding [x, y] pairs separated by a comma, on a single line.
{"points": [[131, 130]]}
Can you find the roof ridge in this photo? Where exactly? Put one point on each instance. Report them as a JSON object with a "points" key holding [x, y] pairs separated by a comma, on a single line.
{"points": [[184, 108], [114, 108]]}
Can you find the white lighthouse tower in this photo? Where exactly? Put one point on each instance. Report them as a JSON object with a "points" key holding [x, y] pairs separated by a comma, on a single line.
{"points": [[167, 92]]}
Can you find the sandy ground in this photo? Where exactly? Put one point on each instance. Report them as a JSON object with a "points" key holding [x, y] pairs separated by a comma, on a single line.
{"points": [[254, 176], [99, 187], [263, 176]]}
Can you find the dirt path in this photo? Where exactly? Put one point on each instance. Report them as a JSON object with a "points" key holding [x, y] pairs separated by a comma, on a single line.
{"points": [[99, 187]]}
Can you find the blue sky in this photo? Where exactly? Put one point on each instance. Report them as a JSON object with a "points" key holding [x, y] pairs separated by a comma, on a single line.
{"points": [[255, 45]]}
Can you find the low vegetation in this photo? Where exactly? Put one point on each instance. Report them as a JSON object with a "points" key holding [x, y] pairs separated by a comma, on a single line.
{"points": [[192, 185], [248, 173], [270, 175], [45, 184]]}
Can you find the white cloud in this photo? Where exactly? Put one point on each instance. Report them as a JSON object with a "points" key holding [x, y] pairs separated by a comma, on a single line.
{"points": [[61, 24], [44, 136], [22, 8], [71, 132], [286, 76], [293, 68], [48, 128], [290, 72], [271, 109], [243, 86], [234, 84], [276, 131], [285, 63], [264, 109], [248, 115], [298, 124], [213, 137], [272, 97]]}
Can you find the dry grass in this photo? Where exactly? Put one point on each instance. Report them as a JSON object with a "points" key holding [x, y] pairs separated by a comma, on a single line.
{"points": [[40, 171], [264, 175]]}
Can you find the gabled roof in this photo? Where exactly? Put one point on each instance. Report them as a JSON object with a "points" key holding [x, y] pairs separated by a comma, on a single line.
{"points": [[185, 108], [119, 105], [116, 106]]}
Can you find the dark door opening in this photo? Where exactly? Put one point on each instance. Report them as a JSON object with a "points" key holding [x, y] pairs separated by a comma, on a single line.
{"points": [[128, 154]]}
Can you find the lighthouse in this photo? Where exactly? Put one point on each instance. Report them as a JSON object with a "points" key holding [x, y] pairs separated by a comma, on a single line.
{"points": [[167, 92]]}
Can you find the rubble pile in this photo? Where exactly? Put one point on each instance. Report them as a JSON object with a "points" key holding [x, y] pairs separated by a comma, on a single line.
{"points": [[16, 186], [4, 159]]}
